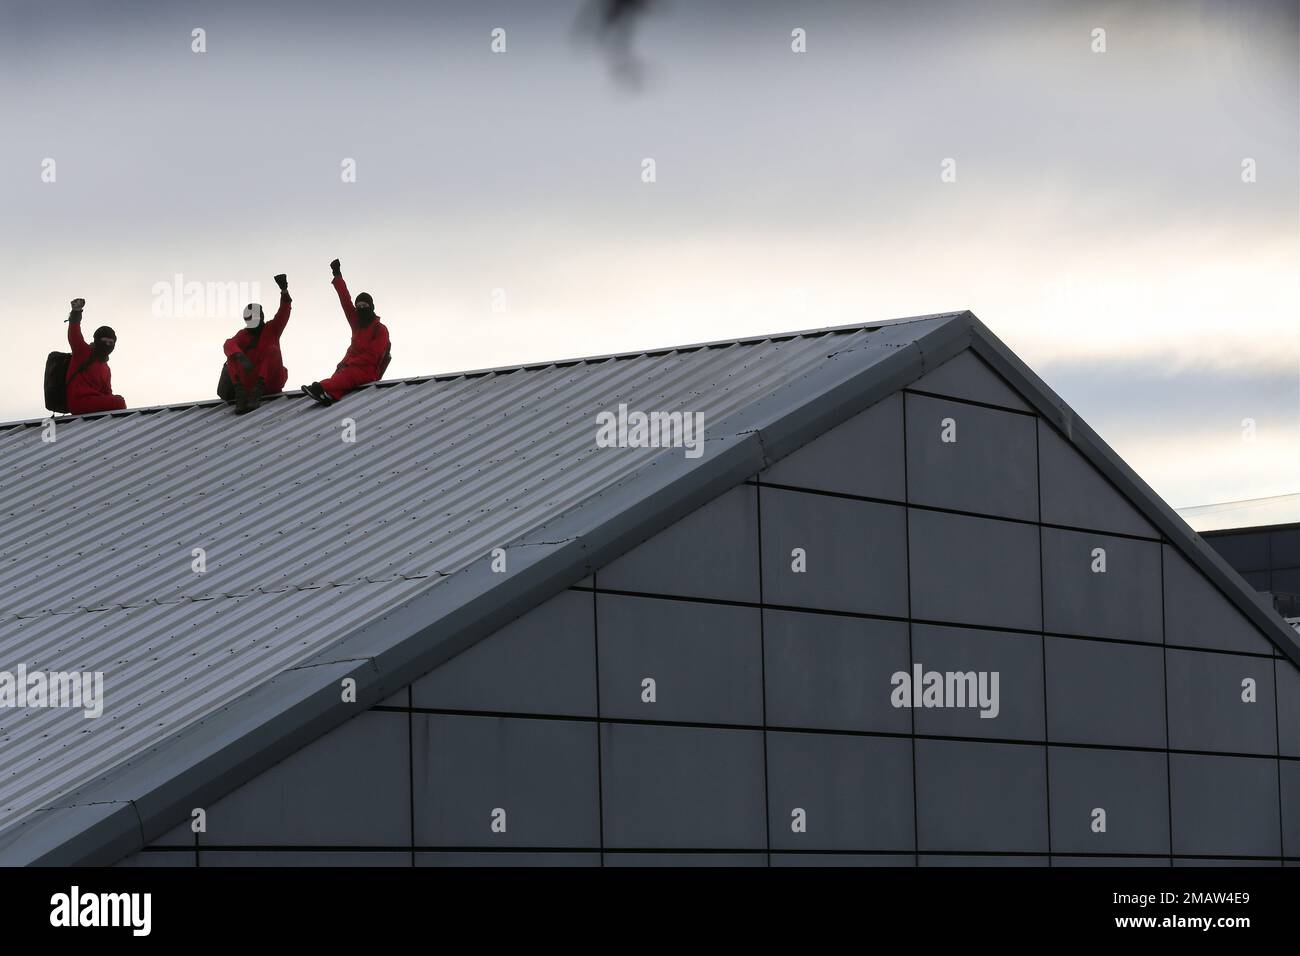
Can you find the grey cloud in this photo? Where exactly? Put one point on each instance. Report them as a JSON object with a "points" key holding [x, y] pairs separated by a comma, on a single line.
{"points": [[1117, 396]]}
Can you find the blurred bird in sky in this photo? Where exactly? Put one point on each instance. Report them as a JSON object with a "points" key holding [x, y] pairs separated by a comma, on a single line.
{"points": [[612, 24]]}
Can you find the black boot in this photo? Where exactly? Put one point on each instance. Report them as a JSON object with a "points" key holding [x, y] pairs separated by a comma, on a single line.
{"points": [[247, 400], [314, 390]]}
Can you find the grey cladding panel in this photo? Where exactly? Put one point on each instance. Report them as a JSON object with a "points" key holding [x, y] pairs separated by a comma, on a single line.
{"points": [[542, 663], [541, 773], [711, 553], [1245, 552], [980, 860], [685, 859], [1288, 708], [863, 456], [1224, 806], [159, 858], [843, 859], [350, 786], [1102, 693], [836, 792], [400, 699], [682, 787], [1129, 788], [833, 672], [974, 656], [1110, 861], [1290, 790], [1100, 586], [1284, 547], [1197, 615], [1211, 861], [325, 858], [981, 797], [854, 553], [1206, 706], [967, 376], [979, 571], [179, 836], [1284, 581], [1263, 580], [527, 858], [705, 660], [1076, 494], [990, 466]]}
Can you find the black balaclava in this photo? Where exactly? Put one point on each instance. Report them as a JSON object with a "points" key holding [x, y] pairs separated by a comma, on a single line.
{"points": [[103, 349], [365, 309]]}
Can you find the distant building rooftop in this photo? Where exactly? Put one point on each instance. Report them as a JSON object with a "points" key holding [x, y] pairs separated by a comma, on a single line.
{"points": [[1268, 557], [1248, 513]]}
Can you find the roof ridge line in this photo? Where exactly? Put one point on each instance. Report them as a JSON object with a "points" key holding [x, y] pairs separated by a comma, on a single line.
{"points": [[499, 369]]}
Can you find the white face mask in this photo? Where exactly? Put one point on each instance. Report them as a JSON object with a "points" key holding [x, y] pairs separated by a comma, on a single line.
{"points": [[252, 316]]}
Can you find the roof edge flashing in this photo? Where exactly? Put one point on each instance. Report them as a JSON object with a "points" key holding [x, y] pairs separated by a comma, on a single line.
{"points": [[1131, 485], [95, 833], [249, 735]]}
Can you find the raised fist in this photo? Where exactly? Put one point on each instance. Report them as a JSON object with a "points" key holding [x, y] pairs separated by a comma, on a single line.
{"points": [[78, 305], [282, 281], [336, 268]]}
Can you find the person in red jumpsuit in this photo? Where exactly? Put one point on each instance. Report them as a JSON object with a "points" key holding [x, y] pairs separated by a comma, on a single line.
{"points": [[368, 353], [90, 383], [253, 357]]}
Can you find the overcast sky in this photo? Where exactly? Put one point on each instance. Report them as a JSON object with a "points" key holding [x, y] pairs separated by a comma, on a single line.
{"points": [[1099, 222]]}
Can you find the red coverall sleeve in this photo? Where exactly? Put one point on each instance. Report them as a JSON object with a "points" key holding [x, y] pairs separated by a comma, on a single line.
{"points": [[231, 348], [277, 324], [77, 341], [345, 300]]}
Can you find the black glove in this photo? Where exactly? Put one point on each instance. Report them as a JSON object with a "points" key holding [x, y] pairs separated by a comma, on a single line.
{"points": [[282, 281], [338, 271], [77, 306], [244, 361]]}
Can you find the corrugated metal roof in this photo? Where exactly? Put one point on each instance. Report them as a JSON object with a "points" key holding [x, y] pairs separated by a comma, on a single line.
{"points": [[306, 536]]}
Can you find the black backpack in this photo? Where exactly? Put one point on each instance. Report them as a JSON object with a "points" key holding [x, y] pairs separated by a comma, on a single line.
{"points": [[56, 379]]}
